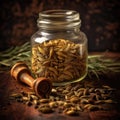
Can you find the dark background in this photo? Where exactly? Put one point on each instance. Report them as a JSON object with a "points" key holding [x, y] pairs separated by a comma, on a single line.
{"points": [[100, 21]]}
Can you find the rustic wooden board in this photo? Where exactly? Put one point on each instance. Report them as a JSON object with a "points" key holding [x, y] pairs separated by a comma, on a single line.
{"points": [[15, 111]]}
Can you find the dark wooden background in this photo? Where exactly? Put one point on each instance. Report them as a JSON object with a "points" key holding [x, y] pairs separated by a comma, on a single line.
{"points": [[100, 21]]}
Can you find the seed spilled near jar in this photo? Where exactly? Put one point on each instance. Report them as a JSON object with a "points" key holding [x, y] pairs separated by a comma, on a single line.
{"points": [[77, 99]]}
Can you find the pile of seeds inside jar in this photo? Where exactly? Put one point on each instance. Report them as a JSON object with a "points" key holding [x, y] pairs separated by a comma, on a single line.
{"points": [[70, 100], [59, 60]]}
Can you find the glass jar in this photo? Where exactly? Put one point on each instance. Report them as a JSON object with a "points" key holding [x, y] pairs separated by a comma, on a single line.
{"points": [[59, 48]]}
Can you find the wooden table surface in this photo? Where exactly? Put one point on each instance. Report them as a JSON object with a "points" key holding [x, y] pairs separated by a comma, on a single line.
{"points": [[10, 110]]}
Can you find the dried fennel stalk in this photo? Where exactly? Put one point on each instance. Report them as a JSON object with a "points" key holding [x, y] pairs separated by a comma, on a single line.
{"points": [[97, 64]]}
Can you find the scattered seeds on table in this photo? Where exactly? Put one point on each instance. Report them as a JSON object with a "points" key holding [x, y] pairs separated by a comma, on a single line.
{"points": [[78, 99]]}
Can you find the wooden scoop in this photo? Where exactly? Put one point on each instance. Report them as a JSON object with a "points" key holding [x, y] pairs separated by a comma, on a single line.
{"points": [[42, 86]]}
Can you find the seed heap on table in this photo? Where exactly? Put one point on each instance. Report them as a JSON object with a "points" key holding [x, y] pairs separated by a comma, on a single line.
{"points": [[70, 99]]}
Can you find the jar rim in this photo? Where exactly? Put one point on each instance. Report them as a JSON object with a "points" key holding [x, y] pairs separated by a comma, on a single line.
{"points": [[58, 13], [60, 18]]}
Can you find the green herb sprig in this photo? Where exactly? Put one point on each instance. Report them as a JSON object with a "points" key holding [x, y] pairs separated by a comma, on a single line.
{"points": [[101, 65], [14, 54], [97, 64]]}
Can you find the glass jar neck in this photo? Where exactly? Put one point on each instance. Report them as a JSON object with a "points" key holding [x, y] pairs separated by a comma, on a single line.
{"points": [[59, 20]]}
